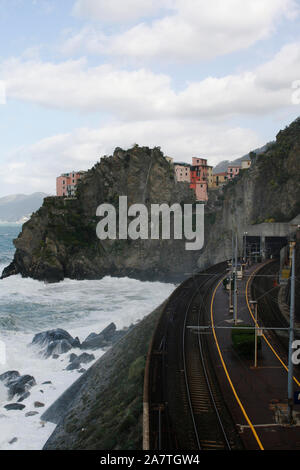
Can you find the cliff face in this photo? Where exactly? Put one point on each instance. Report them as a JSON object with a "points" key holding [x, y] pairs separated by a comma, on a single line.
{"points": [[268, 192], [60, 238]]}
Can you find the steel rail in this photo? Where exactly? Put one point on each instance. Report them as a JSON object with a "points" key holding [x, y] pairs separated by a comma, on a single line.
{"points": [[208, 384]]}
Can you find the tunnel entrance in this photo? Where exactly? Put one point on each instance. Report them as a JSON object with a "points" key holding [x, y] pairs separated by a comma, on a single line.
{"points": [[264, 247], [273, 246], [252, 247]]}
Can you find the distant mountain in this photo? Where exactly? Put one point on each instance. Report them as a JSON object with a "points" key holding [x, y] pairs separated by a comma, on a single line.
{"points": [[223, 165], [19, 207]]}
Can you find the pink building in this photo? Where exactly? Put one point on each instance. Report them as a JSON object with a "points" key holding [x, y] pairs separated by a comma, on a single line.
{"points": [[199, 175], [199, 161], [67, 182], [233, 171], [182, 172], [201, 178]]}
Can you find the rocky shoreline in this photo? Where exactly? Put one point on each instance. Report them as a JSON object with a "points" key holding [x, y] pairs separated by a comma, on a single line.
{"points": [[53, 343], [103, 409]]}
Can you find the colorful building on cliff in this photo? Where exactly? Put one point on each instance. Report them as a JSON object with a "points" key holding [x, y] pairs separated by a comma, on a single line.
{"points": [[201, 178], [246, 164], [219, 179], [198, 175], [66, 183], [182, 172], [233, 171]]}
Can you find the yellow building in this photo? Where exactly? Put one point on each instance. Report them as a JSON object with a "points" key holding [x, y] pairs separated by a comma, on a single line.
{"points": [[219, 179], [246, 164], [170, 160], [210, 178]]}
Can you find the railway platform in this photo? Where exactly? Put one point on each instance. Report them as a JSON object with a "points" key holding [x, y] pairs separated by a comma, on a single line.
{"points": [[256, 397]]}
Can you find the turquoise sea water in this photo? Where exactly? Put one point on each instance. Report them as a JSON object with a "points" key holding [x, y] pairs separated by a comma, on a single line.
{"points": [[7, 234]]}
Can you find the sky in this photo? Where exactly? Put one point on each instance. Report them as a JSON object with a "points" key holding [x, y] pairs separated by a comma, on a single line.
{"points": [[79, 78]]}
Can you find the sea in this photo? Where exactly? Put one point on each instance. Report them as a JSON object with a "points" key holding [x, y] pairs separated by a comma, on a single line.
{"points": [[28, 307]]}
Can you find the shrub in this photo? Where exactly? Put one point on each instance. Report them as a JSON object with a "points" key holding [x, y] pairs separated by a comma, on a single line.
{"points": [[243, 341]]}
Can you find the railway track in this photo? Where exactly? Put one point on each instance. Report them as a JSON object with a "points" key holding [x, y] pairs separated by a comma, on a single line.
{"points": [[269, 314], [262, 288], [186, 408]]}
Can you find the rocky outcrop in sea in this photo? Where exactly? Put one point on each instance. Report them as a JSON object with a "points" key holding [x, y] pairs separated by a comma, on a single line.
{"points": [[60, 239]]}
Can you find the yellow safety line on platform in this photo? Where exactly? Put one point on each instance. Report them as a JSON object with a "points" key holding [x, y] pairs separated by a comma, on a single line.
{"points": [[227, 374], [257, 325]]}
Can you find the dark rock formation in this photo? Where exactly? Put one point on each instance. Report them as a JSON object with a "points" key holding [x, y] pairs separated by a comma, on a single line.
{"points": [[72, 357], [9, 376], [20, 385], [23, 397], [14, 407], [13, 441], [38, 404], [31, 413], [46, 337], [55, 342], [101, 340], [60, 346], [76, 361], [17, 385], [60, 238]]}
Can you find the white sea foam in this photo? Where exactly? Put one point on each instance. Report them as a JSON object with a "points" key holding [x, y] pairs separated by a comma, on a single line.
{"points": [[81, 307]]}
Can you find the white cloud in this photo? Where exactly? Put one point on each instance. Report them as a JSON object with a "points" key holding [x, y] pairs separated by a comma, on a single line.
{"points": [[142, 94], [116, 10], [263, 90], [39, 164], [199, 29], [73, 85]]}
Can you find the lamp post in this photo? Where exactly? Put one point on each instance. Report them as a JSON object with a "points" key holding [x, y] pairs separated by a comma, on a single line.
{"points": [[235, 281], [245, 246], [291, 335], [254, 307]]}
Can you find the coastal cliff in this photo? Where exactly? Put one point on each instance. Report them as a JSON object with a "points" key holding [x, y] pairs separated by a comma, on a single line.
{"points": [[267, 192], [60, 238], [103, 408]]}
